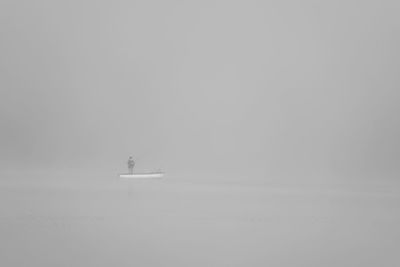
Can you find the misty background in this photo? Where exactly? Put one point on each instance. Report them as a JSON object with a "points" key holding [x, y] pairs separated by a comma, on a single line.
{"points": [[247, 89], [276, 123]]}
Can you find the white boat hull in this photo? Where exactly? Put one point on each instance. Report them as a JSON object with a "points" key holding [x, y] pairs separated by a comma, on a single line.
{"points": [[153, 175]]}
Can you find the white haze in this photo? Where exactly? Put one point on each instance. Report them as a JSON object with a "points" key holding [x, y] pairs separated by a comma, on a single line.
{"points": [[276, 123], [219, 87]]}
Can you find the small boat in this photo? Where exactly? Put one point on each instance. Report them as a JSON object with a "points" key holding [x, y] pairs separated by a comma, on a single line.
{"points": [[148, 175]]}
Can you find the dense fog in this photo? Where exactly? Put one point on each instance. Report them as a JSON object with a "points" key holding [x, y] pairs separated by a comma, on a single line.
{"points": [[275, 123], [212, 87]]}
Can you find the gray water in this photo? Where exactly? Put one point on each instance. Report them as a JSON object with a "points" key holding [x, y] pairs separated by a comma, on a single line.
{"points": [[167, 223]]}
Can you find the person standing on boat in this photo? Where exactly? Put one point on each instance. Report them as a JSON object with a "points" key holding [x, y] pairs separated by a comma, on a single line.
{"points": [[131, 164]]}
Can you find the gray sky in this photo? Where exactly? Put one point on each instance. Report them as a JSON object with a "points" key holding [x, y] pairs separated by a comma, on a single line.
{"points": [[213, 87]]}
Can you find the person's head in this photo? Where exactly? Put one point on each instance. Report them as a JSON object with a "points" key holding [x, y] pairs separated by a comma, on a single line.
{"points": [[130, 157]]}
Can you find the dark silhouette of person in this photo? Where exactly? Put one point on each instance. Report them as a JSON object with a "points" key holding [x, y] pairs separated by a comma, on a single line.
{"points": [[131, 164]]}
